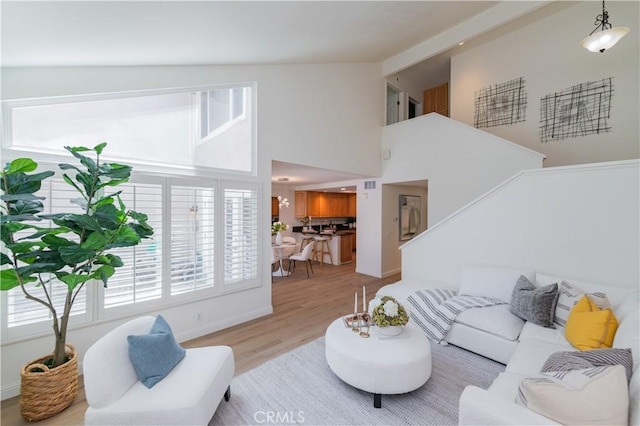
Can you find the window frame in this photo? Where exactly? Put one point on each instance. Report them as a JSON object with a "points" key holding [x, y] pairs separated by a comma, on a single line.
{"points": [[152, 166], [147, 172]]}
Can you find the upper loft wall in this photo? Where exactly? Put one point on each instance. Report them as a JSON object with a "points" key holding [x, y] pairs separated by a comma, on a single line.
{"points": [[576, 222], [547, 53], [320, 115], [459, 162]]}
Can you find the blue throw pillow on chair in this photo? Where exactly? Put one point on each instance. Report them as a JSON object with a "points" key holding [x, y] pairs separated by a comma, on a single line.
{"points": [[154, 355]]}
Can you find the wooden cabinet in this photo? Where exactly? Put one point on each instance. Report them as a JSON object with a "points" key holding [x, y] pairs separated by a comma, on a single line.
{"points": [[324, 204], [317, 204], [352, 203], [338, 205], [301, 204], [346, 248], [436, 99], [275, 206]]}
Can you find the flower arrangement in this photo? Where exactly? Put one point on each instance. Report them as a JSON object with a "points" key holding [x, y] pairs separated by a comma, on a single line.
{"points": [[386, 311], [278, 227], [305, 220]]}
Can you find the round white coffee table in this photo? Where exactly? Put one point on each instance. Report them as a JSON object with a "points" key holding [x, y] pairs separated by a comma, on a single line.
{"points": [[379, 364]]}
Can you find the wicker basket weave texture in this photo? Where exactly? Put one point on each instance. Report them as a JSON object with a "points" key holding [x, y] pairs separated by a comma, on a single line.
{"points": [[48, 392]]}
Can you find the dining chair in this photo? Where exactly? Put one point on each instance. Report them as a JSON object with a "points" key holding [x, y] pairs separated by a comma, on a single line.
{"points": [[275, 260], [304, 256]]}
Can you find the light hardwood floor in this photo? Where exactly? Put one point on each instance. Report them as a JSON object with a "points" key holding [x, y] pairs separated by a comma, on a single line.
{"points": [[303, 309]]}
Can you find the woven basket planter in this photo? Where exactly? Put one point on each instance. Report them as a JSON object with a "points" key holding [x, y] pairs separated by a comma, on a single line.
{"points": [[47, 392]]}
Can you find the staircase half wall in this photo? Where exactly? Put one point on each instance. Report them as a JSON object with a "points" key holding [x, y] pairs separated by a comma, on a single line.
{"points": [[578, 222], [459, 161]]}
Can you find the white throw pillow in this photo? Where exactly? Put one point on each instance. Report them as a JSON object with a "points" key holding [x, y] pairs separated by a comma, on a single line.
{"points": [[593, 396], [569, 295], [492, 282]]}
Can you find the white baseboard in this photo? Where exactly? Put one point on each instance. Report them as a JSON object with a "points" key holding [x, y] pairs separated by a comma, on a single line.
{"points": [[391, 272], [224, 323]]}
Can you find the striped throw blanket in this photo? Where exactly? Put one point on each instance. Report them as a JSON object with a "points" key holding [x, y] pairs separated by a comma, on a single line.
{"points": [[435, 310]]}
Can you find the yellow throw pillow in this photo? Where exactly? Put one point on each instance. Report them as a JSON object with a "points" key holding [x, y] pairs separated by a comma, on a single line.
{"points": [[590, 327]]}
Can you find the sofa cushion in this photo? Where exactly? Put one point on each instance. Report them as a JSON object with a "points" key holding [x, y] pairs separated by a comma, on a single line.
{"points": [[590, 327], [579, 360], [496, 320], [530, 355], [535, 304], [531, 331], [154, 355], [592, 396], [628, 335], [506, 384], [492, 282], [189, 395]]}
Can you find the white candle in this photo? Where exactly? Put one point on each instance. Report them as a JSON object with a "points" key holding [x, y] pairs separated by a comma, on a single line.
{"points": [[355, 303], [364, 297]]}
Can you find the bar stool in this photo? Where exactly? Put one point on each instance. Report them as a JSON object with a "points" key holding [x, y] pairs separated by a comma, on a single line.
{"points": [[324, 243], [306, 239]]}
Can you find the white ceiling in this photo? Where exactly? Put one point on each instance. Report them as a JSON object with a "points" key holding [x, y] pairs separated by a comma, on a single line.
{"points": [[89, 33], [302, 175], [130, 33]]}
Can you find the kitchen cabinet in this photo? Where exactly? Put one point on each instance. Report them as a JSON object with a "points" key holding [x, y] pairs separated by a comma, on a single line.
{"points": [[436, 99], [275, 206], [346, 248], [352, 203], [317, 204], [301, 204], [338, 205], [324, 204]]}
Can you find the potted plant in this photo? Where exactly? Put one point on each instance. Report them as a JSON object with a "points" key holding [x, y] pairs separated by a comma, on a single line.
{"points": [[72, 250], [388, 315], [276, 229]]}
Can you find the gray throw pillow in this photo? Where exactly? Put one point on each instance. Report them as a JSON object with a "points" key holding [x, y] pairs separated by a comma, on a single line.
{"points": [[535, 304]]}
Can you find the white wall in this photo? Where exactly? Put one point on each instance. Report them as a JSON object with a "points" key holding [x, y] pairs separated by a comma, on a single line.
{"points": [[391, 256], [459, 162], [548, 55], [306, 113], [287, 214], [577, 222]]}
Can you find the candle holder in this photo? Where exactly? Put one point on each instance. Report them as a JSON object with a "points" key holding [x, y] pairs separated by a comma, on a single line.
{"points": [[355, 323], [365, 318]]}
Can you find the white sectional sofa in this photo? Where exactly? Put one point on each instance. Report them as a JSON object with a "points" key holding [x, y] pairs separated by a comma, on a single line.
{"points": [[522, 346]]}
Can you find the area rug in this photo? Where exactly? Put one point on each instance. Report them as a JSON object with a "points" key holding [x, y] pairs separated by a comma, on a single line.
{"points": [[299, 388]]}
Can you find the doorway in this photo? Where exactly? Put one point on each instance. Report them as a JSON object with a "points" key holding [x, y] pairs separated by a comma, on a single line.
{"points": [[393, 104]]}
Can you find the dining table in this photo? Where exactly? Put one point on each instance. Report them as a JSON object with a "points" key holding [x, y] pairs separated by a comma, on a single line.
{"points": [[282, 251]]}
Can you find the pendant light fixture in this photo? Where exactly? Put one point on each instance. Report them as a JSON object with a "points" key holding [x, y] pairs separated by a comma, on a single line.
{"points": [[599, 41]]}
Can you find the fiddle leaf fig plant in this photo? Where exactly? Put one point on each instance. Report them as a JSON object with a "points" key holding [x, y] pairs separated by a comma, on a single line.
{"points": [[65, 249]]}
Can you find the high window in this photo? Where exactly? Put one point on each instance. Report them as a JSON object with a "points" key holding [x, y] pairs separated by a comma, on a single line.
{"points": [[212, 128], [205, 220]]}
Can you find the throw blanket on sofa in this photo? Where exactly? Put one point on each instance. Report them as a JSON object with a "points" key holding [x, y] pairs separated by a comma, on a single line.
{"points": [[434, 311]]}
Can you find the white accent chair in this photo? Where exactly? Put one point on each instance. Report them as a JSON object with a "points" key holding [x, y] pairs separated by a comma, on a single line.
{"points": [[304, 256], [188, 395]]}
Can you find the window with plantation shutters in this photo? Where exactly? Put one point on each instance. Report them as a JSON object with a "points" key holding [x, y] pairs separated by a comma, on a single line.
{"points": [[140, 278], [240, 225], [19, 310], [192, 238]]}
